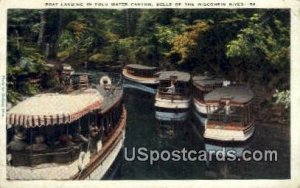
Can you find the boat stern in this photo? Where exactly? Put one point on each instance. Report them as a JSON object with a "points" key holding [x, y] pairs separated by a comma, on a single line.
{"points": [[222, 134]]}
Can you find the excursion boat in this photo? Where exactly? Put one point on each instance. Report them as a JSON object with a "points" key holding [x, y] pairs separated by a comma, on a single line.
{"points": [[233, 120], [75, 135], [140, 77], [202, 85], [172, 100]]}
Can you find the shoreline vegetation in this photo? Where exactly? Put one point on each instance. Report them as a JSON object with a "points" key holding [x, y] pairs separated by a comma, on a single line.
{"points": [[247, 46]]}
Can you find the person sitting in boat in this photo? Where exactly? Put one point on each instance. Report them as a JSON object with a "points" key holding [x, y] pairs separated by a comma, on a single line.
{"points": [[65, 140], [18, 142], [172, 88], [79, 136], [39, 144]]}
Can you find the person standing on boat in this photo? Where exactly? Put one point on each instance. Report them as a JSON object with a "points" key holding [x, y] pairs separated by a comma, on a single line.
{"points": [[94, 132], [227, 111], [79, 136], [172, 88]]}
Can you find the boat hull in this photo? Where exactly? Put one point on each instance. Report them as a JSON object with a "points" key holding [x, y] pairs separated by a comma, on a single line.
{"points": [[220, 146], [200, 118], [171, 116], [172, 104], [201, 107], [101, 170], [138, 79], [99, 165], [229, 135], [142, 87]]}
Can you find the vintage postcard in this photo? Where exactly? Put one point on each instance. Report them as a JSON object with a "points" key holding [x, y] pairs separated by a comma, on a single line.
{"points": [[189, 93]]}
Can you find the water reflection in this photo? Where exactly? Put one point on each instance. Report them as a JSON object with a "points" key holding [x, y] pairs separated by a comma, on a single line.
{"points": [[143, 131]]}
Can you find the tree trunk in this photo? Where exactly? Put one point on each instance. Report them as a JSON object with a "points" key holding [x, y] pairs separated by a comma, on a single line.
{"points": [[127, 22], [59, 30], [17, 40], [54, 35], [42, 29]]}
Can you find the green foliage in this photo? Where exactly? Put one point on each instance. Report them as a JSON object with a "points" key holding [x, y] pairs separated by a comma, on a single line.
{"points": [[262, 48], [261, 38], [64, 54], [244, 45], [76, 37], [25, 60], [30, 89], [126, 47], [100, 58], [67, 41], [186, 45], [282, 97], [13, 96]]}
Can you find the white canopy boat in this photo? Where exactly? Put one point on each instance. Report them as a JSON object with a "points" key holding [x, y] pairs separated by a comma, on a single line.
{"points": [[66, 136]]}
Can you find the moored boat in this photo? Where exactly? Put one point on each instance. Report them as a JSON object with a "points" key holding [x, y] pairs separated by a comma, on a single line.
{"points": [[172, 100], [67, 136], [141, 74], [203, 84], [233, 120]]}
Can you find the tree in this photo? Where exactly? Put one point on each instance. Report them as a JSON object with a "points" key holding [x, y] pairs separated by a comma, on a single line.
{"points": [[261, 49], [42, 28], [186, 46]]}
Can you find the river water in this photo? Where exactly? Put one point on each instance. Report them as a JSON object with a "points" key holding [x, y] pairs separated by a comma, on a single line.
{"points": [[142, 132]]}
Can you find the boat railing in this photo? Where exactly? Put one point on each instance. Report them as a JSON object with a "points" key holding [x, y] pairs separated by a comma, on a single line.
{"points": [[179, 94], [115, 79], [59, 155]]}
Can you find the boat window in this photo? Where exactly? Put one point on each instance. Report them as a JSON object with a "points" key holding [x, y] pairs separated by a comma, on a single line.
{"points": [[227, 115], [49, 144], [177, 88]]}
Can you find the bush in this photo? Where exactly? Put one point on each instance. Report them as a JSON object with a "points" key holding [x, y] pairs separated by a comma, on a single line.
{"points": [[31, 88], [100, 58], [13, 96], [283, 98], [63, 55]]}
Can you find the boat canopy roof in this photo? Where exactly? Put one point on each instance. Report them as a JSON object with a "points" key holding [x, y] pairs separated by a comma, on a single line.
{"points": [[179, 76], [235, 94], [53, 108], [203, 80], [140, 67]]}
